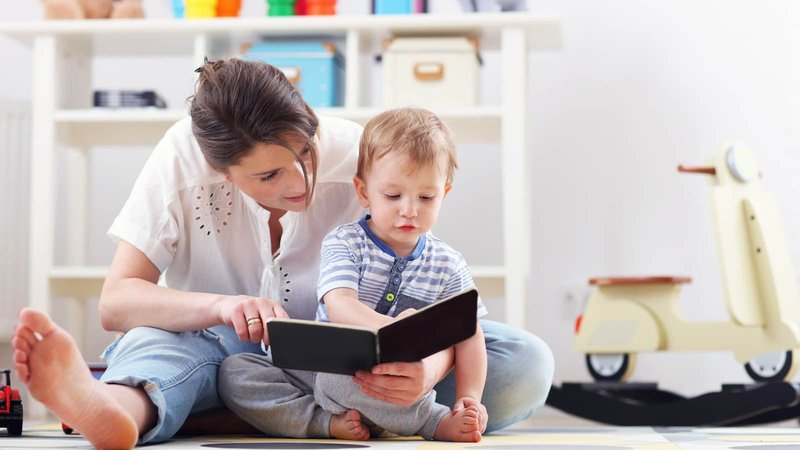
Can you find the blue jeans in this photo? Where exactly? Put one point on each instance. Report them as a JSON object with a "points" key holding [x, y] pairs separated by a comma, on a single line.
{"points": [[178, 371]]}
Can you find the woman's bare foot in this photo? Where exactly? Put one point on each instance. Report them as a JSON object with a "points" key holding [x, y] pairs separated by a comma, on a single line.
{"points": [[462, 425], [348, 426], [48, 362]]}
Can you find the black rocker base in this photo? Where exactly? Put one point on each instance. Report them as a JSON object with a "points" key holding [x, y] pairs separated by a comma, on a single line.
{"points": [[643, 404]]}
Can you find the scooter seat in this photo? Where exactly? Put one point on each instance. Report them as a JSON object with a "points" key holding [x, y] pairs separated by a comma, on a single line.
{"points": [[623, 281]]}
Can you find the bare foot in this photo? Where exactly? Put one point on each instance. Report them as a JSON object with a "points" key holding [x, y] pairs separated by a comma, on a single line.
{"points": [[48, 362], [348, 426], [462, 425]]}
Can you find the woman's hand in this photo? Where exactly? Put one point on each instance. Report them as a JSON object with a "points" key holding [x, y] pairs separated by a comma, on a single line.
{"points": [[398, 383], [247, 316]]}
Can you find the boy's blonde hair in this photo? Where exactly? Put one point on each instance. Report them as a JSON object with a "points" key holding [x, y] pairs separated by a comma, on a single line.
{"points": [[415, 132]]}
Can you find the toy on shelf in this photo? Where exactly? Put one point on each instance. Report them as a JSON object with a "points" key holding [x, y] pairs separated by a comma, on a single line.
{"points": [[319, 7], [228, 8], [301, 7], [493, 5], [92, 9], [179, 9], [625, 316], [280, 7], [10, 407], [200, 9], [203, 9], [108, 98]]}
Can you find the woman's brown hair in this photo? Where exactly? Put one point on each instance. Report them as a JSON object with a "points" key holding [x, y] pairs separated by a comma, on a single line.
{"points": [[238, 104]]}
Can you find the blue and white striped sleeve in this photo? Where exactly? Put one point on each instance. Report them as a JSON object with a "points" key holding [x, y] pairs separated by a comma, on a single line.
{"points": [[339, 266], [461, 280]]}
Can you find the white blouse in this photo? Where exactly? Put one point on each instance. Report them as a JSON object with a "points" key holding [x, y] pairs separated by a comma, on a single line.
{"points": [[206, 235]]}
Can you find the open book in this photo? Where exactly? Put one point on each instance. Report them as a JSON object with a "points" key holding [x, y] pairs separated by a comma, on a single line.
{"points": [[344, 349]]}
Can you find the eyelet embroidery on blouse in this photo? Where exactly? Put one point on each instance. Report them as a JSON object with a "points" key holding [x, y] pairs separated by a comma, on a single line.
{"points": [[213, 208], [286, 283]]}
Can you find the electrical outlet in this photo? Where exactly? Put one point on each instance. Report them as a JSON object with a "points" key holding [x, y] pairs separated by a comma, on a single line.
{"points": [[573, 298]]}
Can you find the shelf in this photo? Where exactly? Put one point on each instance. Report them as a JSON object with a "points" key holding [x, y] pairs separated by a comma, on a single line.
{"points": [[64, 58], [77, 282], [78, 272], [146, 126], [543, 31], [85, 282], [487, 271], [114, 127], [473, 124], [68, 273], [96, 116]]}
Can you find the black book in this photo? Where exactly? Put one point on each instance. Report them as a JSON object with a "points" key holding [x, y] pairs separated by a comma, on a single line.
{"points": [[337, 348]]}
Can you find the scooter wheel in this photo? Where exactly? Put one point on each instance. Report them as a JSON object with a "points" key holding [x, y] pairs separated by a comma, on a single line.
{"points": [[775, 366], [611, 366]]}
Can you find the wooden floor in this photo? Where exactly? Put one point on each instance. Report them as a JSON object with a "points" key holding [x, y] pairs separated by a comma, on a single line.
{"points": [[550, 429]]}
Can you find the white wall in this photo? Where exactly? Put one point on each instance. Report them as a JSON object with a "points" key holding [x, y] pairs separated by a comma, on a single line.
{"points": [[637, 88]]}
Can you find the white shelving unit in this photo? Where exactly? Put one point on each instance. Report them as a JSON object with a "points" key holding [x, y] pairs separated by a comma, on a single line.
{"points": [[62, 118]]}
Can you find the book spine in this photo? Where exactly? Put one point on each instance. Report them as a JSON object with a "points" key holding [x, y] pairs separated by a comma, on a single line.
{"points": [[377, 348]]}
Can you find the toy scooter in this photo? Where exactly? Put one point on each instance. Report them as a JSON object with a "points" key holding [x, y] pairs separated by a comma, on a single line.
{"points": [[625, 316]]}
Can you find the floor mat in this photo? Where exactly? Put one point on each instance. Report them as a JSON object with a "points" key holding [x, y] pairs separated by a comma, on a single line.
{"points": [[544, 438]]}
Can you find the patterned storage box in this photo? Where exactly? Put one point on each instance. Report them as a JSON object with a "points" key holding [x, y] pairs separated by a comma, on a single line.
{"points": [[433, 71], [315, 67]]}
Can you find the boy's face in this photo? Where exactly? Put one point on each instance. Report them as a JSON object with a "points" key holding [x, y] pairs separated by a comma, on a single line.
{"points": [[403, 200]]}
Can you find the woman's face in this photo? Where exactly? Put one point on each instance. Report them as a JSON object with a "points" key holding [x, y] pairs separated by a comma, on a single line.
{"points": [[271, 175]]}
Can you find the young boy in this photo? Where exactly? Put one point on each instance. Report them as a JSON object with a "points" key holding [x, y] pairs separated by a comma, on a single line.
{"points": [[371, 271], [389, 264]]}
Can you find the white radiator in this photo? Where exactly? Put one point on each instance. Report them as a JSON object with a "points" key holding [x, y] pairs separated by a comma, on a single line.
{"points": [[15, 147]]}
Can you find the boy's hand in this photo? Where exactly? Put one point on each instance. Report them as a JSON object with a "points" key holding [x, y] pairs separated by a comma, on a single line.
{"points": [[483, 415]]}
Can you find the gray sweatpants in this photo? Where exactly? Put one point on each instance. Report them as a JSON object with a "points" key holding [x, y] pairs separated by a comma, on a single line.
{"points": [[338, 393], [290, 403], [278, 402]]}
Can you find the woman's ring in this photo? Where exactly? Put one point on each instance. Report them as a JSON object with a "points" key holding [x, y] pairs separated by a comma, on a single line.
{"points": [[253, 321]]}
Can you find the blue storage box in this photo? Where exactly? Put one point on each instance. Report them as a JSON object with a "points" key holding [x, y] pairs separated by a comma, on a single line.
{"points": [[392, 6], [315, 67], [399, 6]]}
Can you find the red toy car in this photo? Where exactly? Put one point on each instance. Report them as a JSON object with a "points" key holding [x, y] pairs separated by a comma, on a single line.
{"points": [[10, 407]]}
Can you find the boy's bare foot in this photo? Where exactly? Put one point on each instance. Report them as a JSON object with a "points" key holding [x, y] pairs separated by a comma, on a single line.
{"points": [[348, 426], [462, 425], [48, 362]]}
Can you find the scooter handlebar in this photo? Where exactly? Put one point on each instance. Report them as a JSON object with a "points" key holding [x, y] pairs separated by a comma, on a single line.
{"points": [[695, 169]]}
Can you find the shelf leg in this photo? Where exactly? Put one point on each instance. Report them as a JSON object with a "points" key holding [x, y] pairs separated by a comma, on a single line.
{"points": [[42, 186], [516, 198]]}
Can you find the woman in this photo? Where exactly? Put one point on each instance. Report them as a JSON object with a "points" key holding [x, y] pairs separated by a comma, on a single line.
{"points": [[229, 213]]}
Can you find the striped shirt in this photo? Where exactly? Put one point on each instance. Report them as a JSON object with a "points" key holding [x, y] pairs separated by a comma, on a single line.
{"points": [[355, 258]]}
